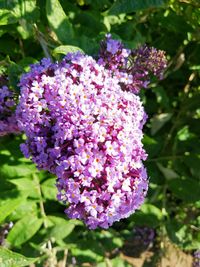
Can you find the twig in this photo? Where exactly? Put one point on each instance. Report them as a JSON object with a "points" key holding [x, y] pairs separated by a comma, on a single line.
{"points": [[65, 258], [42, 41], [166, 158]]}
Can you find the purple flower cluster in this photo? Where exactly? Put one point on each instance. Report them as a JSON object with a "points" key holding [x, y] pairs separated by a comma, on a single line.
{"points": [[196, 262], [82, 126], [134, 67], [145, 235], [7, 115]]}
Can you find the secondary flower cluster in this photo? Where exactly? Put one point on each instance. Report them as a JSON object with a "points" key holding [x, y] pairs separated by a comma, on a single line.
{"points": [[196, 259], [84, 127], [134, 67], [4, 230], [7, 105]]}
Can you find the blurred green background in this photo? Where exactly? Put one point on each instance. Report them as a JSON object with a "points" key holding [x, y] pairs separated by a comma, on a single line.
{"points": [[42, 235]]}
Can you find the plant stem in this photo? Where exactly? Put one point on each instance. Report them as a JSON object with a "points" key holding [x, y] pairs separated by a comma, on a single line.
{"points": [[42, 42], [166, 158], [52, 259]]}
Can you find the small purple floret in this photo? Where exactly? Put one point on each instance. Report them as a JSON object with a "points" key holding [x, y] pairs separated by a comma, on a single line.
{"points": [[8, 123]]}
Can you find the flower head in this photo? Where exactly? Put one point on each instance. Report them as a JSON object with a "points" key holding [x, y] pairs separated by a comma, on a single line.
{"points": [[7, 109], [132, 68], [84, 127]]}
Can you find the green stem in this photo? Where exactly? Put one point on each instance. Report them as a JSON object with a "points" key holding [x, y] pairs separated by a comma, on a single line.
{"points": [[42, 42], [52, 254], [167, 158]]}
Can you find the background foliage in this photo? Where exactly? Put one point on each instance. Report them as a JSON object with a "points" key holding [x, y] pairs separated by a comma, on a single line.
{"points": [[30, 30]]}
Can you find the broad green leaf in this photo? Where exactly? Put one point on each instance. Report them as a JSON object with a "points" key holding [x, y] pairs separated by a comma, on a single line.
{"points": [[65, 49], [28, 185], [26, 207], [8, 206], [88, 253], [161, 96], [27, 10], [14, 71], [148, 215], [88, 18], [58, 21], [24, 229], [168, 173], [7, 17], [60, 227], [193, 163], [158, 121], [9, 258], [14, 171], [152, 146], [151, 209], [185, 189], [89, 45], [49, 189], [26, 62], [129, 6]]}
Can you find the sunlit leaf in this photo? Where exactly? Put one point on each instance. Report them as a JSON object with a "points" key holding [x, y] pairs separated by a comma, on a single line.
{"points": [[58, 21], [168, 173], [24, 229], [49, 189], [61, 227], [148, 215], [28, 185], [9, 258], [7, 17], [158, 121], [65, 49], [8, 206]]}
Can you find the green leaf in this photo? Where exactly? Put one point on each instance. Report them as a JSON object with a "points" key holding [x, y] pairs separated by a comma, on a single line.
{"points": [[28, 10], [129, 6], [14, 171], [58, 21], [193, 163], [9, 258], [8, 206], [149, 215], [27, 185], [152, 146], [161, 96], [14, 71], [49, 189], [61, 227], [65, 49], [26, 207], [185, 189], [26, 62], [24, 229], [158, 121], [168, 173], [88, 253], [7, 17]]}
